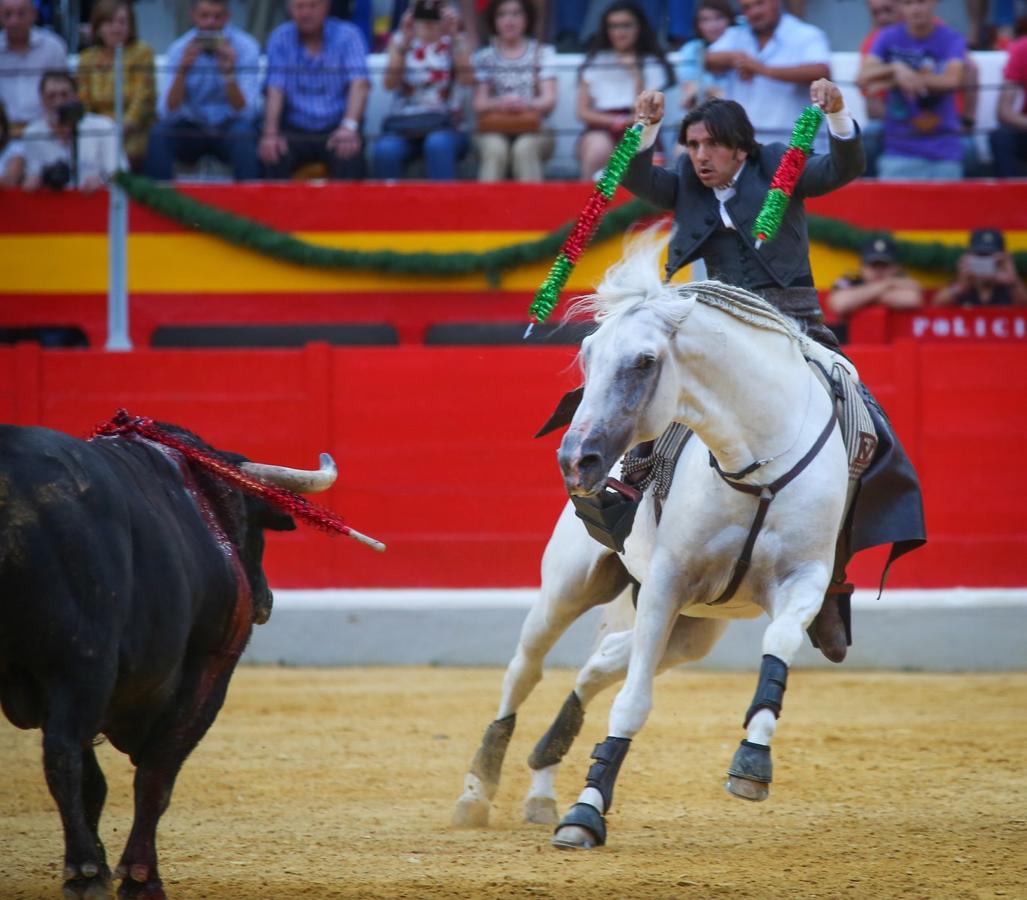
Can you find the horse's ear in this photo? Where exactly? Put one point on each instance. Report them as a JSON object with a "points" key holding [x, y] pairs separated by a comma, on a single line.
{"points": [[563, 413]]}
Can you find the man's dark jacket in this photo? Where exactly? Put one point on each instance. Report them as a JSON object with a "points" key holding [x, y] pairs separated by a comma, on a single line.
{"points": [[782, 262]]}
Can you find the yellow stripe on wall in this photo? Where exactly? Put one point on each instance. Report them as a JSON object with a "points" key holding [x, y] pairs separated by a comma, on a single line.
{"points": [[195, 263]]}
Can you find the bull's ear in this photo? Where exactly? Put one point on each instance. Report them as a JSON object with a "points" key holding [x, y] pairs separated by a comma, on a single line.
{"points": [[563, 413]]}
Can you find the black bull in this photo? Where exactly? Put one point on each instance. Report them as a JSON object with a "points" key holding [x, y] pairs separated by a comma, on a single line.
{"points": [[130, 579]]}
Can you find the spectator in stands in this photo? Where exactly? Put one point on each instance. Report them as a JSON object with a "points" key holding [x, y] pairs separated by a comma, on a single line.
{"points": [[211, 103], [712, 19], [49, 161], [880, 281], [986, 275], [1009, 140], [770, 63], [920, 63], [575, 19], [885, 13], [12, 155], [623, 59], [25, 52], [516, 90], [427, 60], [317, 86], [113, 24]]}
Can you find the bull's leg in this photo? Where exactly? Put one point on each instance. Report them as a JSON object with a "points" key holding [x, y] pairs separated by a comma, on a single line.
{"points": [[158, 762], [584, 825], [78, 787], [751, 770], [577, 574], [690, 639]]}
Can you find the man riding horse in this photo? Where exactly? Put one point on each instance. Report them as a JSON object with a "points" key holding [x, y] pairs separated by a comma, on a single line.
{"points": [[716, 189]]}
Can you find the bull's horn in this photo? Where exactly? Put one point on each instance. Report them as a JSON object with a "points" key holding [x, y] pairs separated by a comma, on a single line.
{"points": [[302, 481]]}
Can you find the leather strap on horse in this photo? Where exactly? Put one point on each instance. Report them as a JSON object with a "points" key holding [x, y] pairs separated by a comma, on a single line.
{"points": [[766, 493]]}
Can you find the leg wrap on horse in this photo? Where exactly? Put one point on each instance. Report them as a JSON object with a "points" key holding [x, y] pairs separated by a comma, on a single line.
{"points": [[770, 690], [488, 761], [602, 774], [554, 744]]}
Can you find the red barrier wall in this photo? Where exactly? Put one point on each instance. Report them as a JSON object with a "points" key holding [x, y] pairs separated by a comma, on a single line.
{"points": [[436, 457]]}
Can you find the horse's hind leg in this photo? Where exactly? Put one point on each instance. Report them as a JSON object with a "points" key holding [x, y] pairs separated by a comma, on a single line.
{"points": [[690, 640], [577, 574], [751, 770]]}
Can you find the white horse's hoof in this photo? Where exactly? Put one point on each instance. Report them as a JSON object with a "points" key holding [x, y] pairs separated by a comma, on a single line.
{"points": [[574, 837], [747, 789], [540, 811], [471, 812]]}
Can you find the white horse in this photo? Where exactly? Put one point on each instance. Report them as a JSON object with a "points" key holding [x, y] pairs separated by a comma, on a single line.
{"points": [[732, 368]]}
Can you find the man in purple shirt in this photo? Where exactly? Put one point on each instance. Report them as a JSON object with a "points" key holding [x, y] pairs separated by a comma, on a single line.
{"points": [[317, 86], [919, 62]]}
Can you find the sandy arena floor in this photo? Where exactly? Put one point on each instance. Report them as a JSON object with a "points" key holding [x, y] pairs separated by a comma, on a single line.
{"points": [[340, 783]]}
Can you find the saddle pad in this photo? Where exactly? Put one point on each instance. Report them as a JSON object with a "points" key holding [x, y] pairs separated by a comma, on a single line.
{"points": [[858, 430]]}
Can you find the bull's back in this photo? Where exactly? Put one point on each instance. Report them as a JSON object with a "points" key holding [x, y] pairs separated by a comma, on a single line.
{"points": [[104, 561]]}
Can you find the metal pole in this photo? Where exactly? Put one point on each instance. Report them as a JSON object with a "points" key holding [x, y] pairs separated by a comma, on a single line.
{"points": [[117, 232]]}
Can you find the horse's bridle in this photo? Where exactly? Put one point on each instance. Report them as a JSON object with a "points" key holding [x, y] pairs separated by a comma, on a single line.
{"points": [[766, 493]]}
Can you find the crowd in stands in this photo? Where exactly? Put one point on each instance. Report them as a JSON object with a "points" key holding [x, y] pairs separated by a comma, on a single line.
{"points": [[481, 74]]}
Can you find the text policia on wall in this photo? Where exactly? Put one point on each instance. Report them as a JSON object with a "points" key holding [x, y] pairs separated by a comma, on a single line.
{"points": [[968, 324]]}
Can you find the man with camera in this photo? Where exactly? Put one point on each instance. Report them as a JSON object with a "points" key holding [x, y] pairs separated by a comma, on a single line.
{"points": [[211, 104], [68, 147], [986, 275]]}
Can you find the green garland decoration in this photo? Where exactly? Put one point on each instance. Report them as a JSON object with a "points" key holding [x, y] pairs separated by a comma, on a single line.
{"points": [[929, 256], [281, 245]]}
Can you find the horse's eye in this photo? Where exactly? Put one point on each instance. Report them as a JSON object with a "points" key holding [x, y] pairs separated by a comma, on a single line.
{"points": [[645, 361]]}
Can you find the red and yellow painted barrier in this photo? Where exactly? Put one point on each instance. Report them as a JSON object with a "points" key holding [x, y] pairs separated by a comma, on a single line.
{"points": [[53, 249]]}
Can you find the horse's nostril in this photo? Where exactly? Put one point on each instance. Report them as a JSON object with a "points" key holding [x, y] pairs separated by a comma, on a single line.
{"points": [[589, 463]]}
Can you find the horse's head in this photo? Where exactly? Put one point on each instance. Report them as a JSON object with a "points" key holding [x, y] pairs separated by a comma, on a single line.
{"points": [[631, 379]]}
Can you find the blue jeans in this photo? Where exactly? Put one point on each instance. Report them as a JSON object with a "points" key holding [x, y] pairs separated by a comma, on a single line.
{"points": [[891, 167], [170, 140], [1008, 151], [441, 150]]}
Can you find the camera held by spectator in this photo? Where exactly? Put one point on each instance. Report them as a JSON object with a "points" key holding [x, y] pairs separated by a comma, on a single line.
{"points": [[986, 275]]}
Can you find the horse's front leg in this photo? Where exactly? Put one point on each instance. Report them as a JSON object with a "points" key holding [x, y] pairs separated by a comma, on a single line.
{"points": [[690, 639], [584, 825], [795, 603], [577, 574]]}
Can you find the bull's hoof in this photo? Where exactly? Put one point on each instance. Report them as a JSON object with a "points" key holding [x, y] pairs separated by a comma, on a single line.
{"points": [[139, 882], [471, 812], [146, 890], [751, 772], [89, 881], [747, 789], [540, 811], [581, 829]]}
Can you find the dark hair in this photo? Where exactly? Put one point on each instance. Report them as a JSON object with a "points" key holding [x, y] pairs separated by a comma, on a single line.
{"points": [[726, 122], [721, 6], [57, 75], [427, 10], [647, 43], [5, 127], [104, 11], [492, 10]]}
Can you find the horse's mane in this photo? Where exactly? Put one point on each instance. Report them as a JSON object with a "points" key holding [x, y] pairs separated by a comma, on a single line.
{"points": [[635, 281]]}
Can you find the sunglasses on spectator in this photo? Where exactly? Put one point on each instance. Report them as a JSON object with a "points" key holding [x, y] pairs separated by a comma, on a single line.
{"points": [[621, 26]]}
